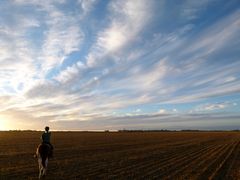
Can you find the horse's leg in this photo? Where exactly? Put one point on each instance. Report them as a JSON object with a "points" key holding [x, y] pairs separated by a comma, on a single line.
{"points": [[40, 173], [36, 154], [45, 169], [40, 167]]}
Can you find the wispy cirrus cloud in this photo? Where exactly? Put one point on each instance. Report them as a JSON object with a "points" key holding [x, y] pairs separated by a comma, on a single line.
{"points": [[62, 38], [87, 5], [127, 19], [32, 58], [119, 64], [191, 9]]}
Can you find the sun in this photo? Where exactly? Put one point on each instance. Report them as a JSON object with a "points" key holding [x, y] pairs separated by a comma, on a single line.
{"points": [[3, 125]]}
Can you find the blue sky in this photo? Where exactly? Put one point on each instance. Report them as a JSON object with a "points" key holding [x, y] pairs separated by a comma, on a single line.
{"points": [[120, 64]]}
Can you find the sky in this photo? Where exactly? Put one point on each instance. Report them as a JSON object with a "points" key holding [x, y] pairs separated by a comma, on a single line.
{"points": [[119, 64]]}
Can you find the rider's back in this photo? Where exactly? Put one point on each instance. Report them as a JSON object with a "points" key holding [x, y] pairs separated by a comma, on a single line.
{"points": [[46, 137]]}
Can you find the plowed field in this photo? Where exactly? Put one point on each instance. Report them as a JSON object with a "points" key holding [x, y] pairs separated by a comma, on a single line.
{"points": [[124, 155]]}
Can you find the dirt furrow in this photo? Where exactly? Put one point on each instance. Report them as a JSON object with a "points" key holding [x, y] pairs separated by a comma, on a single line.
{"points": [[224, 168], [193, 169], [211, 168], [155, 161], [175, 165]]}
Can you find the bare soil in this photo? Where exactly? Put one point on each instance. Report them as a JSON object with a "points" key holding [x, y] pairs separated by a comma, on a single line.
{"points": [[124, 155]]}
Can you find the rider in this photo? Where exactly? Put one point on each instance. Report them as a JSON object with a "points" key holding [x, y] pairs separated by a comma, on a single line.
{"points": [[46, 139]]}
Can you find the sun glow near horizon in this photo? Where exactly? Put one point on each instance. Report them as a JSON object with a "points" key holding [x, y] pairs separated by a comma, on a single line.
{"points": [[4, 125], [8, 123]]}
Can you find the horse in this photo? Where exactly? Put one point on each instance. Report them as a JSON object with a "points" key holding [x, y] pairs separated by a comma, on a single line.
{"points": [[42, 154]]}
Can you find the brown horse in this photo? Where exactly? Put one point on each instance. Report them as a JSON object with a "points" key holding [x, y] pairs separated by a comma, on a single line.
{"points": [[42, 154]]}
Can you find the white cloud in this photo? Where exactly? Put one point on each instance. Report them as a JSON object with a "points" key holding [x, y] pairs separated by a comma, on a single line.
{"points": [[218, 35], [28, 58], [128, 18], [192, 8], [71, 72], [163, 68], [229, 79], [214, 106], [41, 4], [138, 110], [112, 39], [63, 37], [162, 111], [145, 85], [87, 5]]}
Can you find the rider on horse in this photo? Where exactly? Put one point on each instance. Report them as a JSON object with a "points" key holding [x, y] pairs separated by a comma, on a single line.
{"points": [[46, 139]]}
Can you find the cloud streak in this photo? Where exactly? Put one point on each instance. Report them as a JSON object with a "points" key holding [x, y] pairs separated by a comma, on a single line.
{"points": [[119, 64]]}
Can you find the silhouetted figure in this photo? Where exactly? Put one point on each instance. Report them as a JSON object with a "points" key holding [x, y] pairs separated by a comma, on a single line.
{"points": [[46, 136]]}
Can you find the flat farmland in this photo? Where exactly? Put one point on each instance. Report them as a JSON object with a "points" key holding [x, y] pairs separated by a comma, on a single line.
{"points": [[124, 155]]}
